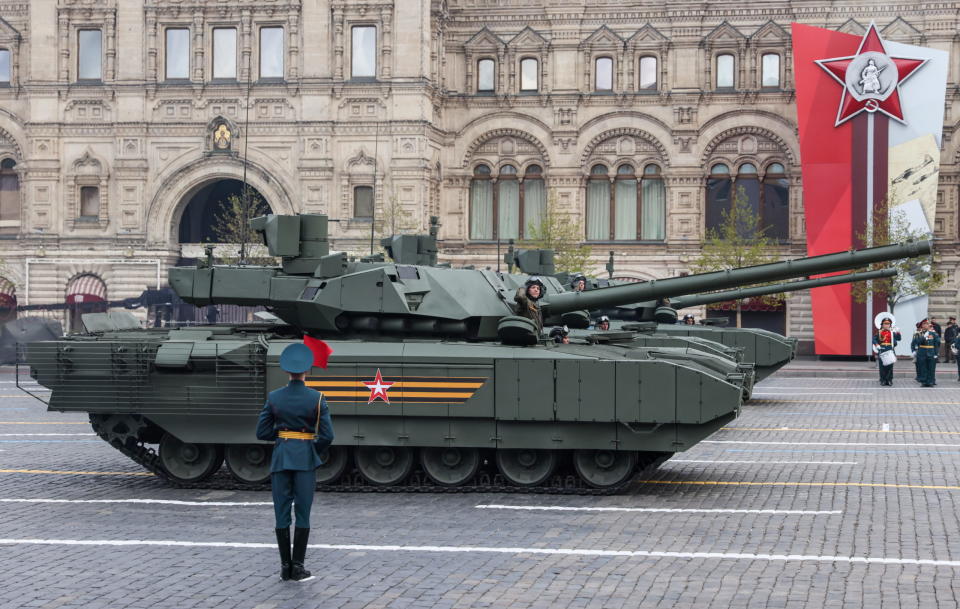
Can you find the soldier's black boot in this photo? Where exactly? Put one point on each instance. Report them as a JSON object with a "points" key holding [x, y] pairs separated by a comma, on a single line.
{"points": [[297, 572], [283, 543]]}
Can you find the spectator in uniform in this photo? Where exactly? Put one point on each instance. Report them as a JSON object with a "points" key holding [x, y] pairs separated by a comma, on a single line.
{"points": [[950, 332], [926, 343], [913, 350]]}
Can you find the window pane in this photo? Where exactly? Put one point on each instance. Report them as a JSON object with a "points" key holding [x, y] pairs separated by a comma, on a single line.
{"points": [[9, 195], [751, 190], [626, 210], [534, 204], [481, 209], [648, 73], [598, 210], [90, 53], [225, 53], [718, 201], [271, 52], [748, 168], [604, 79], [724, 71], [598, 170], [651, 170], [534, 169], [4, 65], [771, 70], [364, 51], [719, 169], [178, 53], [653, 221], [625, 170], [482, 170], [485, 75], [775, 168], [89, 201], [363, 202], [508, 206], [508, 170], [776, 207], [528, 75]]}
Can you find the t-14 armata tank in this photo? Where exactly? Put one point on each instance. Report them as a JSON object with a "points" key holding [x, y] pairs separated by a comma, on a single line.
{"points": [[433, 383]]}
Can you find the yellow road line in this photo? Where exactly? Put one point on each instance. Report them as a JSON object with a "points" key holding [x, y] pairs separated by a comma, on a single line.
{"points": [[891, 431], [867, 484], [71, 473], [753, 402]]}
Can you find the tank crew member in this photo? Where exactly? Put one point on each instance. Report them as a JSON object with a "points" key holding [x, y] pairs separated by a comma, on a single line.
{"points": [[578, 283], [927, 343], [688, 320], [297, 420], [560, 335], [885, 340], [603, 323], [528, 301]]}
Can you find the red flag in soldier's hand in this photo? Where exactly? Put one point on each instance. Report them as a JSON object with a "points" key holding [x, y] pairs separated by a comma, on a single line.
{"points": [[321, 350]]}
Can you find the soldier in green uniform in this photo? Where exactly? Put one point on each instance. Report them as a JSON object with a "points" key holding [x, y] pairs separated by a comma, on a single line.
{"points": [[297, 420], [528, 301], [927, 344]]}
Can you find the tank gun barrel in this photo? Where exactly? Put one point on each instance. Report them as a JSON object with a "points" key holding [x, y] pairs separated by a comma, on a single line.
{"points": [[766, 290], [718, 280]]}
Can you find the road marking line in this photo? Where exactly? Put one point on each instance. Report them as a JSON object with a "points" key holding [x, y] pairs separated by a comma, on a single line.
{"points": [[46, 434], [144, 501], [756, 393], [843, 414], [499, 550], [768, 462], [848, 402], [67, 472], [829, 443], [560, 508], [747, 483], [887, 430]]}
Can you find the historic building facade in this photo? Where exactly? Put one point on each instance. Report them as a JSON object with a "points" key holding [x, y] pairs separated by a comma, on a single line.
{"points": [[121, 122]]}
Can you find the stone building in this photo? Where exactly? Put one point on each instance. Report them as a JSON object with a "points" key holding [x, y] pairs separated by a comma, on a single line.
{"points": [[124, 123]]}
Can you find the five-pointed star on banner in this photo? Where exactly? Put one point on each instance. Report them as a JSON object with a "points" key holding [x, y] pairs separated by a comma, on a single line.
{"points": [[849, 105], [378, 388]]}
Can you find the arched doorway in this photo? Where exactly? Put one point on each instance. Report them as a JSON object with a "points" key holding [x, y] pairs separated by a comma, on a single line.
{"points": [[8, 300], [86, 293], [213, 213]]}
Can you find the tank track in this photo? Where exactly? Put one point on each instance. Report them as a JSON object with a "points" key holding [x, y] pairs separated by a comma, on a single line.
{"points": [[352, 482]]}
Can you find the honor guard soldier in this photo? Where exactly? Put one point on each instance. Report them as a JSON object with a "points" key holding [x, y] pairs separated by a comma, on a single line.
{"points": [[926, 343], [528, 301], [297, 420], [885, 340]]}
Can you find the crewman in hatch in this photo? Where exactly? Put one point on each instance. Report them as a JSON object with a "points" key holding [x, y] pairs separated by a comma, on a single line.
{"points": [[528, 301]]}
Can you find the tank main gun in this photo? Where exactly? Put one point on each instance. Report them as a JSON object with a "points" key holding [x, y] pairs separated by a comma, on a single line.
{"points": [[719, 280]]}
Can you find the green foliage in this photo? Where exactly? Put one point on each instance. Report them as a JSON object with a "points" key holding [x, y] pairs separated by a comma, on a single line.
{"points": [[738, 241], [915, 276], [232, 225], [394, 219], [557, 232]]}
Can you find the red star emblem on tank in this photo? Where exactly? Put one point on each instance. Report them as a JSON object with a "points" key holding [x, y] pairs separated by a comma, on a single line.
{"points": [[378, 388], [870, 79]]}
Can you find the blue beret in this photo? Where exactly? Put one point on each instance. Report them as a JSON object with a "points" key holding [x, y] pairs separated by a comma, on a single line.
{"points": [[296, 358]]}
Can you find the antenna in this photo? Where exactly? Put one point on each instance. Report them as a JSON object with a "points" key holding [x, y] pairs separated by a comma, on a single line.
{"points": [[245, 198], [373, 204]]}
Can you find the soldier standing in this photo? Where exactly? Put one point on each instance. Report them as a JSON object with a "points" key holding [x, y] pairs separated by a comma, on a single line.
{"points": [[528, 302], [297, 420], [949, 336], [885, 340], [926, 343]]}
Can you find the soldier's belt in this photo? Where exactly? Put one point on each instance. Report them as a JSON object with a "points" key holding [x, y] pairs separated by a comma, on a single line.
{"points": [[925, 346], [296, 435], [884, 344]]}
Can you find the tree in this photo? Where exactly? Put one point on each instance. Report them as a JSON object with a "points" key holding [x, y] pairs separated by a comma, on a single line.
{"points": [[738, 241], [394, 219], [231, 224], [915, 276], [557, 232]]}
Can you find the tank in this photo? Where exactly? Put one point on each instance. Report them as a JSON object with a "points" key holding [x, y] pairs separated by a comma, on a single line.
{"points": [[433, 382]]}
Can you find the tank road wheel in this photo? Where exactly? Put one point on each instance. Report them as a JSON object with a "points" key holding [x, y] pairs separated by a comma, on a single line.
{"points": [[604, 468], [335, 462], [526, 466], [249, 463], [186, 462], [384, 465], [450, 466]]}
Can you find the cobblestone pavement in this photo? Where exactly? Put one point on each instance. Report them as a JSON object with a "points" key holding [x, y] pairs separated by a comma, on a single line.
{"points": [[827, 492]]}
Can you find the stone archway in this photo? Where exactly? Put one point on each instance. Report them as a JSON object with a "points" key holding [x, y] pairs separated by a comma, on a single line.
{"points": [[210, 213]]}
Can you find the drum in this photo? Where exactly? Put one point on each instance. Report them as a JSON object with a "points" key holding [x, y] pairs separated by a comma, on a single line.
{"points": [[887, 358]]}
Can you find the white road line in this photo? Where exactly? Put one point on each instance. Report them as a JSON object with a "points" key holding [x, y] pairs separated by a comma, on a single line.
{"points": [[495, 550], [829, 443], [145, 501], [561, 508], [46, 434], [767, 462], [794, 393]]}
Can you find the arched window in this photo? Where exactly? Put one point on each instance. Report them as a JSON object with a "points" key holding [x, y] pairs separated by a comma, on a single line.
{"points": [[767, 197], [603, 74], [9, 197], [634, 209], [770, 72], [725, 71], [719, 184], [534, 200], [776, 202], [501, 207], [485, 75], [648, 73], [529, 74]]}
